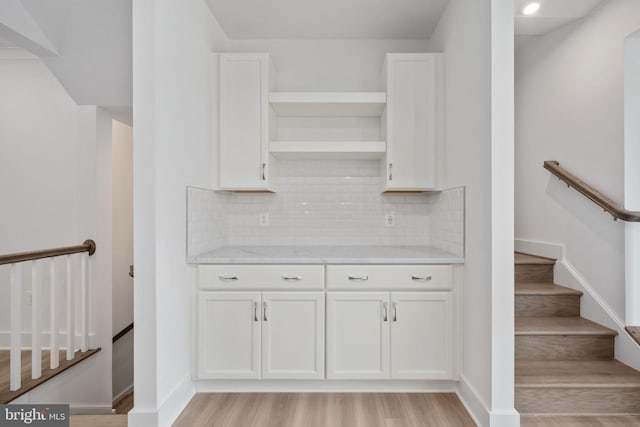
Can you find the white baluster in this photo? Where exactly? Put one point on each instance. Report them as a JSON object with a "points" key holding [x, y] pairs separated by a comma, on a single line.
{"points": [[90, 317], [71, 327], [36, 329], [54, 356], [83, 304], [15, 361]]}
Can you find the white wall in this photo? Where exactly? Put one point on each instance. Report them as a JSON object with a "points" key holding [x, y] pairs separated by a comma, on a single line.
{"points": [[172, 134], [54, 189], [569, 107], [122, 208], [468, 34], [328, 65]]}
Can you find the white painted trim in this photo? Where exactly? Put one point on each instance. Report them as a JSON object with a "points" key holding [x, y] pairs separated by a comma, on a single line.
{"points": [[88, 409], [549, 250], [324, 386], [474, 404], [593, 306], [122, 394], [17, 55], [176, 401], [505, 418], [142, 418]]}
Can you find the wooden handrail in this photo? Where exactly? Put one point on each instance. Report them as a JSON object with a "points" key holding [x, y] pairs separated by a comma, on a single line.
{"points": [[617, 211], [87, 246]]}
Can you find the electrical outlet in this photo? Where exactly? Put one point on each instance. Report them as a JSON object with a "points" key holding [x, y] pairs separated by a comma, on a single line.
{"points": [[264, 218], [389, 219]]}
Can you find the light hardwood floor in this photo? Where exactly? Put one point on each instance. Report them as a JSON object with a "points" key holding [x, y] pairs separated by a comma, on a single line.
{"points": [[542, 421], [325, 410]]}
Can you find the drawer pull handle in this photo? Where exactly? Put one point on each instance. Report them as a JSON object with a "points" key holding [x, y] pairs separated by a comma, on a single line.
{"points": [[358, 277], [385, 316], [264, 312], [226, 278], [424, 279], [291, 278], [395, 311], [255, 311]]}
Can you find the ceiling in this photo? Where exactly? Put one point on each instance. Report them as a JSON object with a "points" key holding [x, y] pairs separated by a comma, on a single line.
{"points": [[327, 19], [552, 15]]}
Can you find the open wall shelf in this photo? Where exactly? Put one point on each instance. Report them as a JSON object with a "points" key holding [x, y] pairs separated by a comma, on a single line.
{"points": [[319, 104], [327, 149]]}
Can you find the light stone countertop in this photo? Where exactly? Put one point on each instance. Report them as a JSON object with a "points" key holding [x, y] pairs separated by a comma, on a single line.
{"points": [[326, 255]]}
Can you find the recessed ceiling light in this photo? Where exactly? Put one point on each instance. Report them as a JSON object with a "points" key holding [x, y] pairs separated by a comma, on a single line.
{"points": [[531, 8]]}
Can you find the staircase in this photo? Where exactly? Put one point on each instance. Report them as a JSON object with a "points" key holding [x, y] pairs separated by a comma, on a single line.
{"points": [[564, 363]]}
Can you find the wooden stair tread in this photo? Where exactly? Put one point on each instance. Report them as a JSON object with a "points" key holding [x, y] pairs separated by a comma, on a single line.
{"points": [[544, 289], [28, 383], [575, 373], [528, 259], [559, 326]]}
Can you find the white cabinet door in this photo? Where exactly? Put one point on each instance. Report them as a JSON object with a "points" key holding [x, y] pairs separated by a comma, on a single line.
{"points": [[229, 335], [357, 335], [293, 335], [243, 121], [415, 144], [421, 335]]}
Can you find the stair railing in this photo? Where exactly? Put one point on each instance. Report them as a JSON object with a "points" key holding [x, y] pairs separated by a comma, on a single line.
{"points": [[78, 287], [617, 211]]}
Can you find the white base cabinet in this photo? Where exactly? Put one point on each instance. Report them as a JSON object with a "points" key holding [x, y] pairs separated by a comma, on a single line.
{"points": [[267, 322], [375, 335], [251, 335], [229, 335], [357, 335]]}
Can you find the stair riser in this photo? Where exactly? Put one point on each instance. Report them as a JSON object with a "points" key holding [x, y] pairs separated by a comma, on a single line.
{"points": [[587, 400], [563, 347], [525, 273], [547, 305]]}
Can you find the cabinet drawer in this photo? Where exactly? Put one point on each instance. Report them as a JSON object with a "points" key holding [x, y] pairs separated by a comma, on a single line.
{"points": [[424, 277], [262, 277]]}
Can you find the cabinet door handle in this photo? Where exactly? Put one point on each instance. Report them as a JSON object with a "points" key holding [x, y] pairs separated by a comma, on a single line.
{"points": [[424, 279], [255, 311], [385, 316], [227, 278], [395, 311], [390, 171], [264, 166], [291, 278], [264, 312], [358, 277]]}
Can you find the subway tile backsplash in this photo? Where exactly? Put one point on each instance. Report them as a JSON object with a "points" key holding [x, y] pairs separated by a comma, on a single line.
{"points": [[325, 202]]}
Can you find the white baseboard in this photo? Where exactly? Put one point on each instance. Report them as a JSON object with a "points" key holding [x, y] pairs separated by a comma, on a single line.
{"points": [[475, 405], [122, 394], [505, 418], [324, 386], [593, 306], [141, 418], [549, 250], [177, 400]]}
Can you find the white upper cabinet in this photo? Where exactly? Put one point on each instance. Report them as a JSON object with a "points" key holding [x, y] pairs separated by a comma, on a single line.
{"points": [[414, 121], [243, 92]]}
